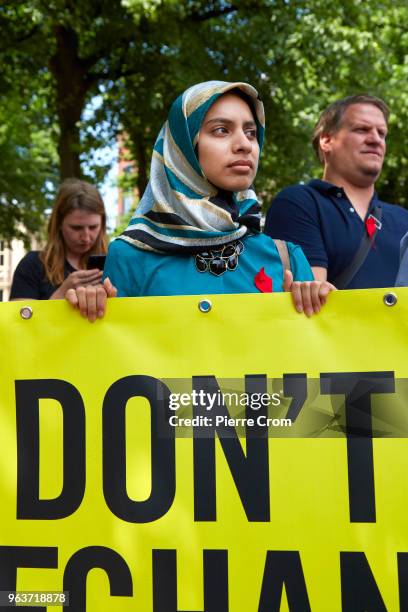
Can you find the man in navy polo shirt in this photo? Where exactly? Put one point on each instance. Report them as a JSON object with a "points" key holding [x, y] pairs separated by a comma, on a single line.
{"points": [[330, 217]]}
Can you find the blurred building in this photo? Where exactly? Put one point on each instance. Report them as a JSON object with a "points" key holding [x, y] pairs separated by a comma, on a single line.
{"points": [[10, 255], [127, 193]]}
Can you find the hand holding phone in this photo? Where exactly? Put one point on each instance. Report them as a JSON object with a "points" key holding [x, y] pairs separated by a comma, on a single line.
{"points": [[96, 261]]}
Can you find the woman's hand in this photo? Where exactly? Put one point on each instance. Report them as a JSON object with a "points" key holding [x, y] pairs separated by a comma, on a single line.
{"points": [[79, 278], [308, 296], [91, 299]]}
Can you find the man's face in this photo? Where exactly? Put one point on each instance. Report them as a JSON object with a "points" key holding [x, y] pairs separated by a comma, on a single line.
{"points": [[355, 153]]}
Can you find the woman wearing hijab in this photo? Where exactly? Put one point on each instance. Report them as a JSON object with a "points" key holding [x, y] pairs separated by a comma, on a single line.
{"points": [[197, 227]]}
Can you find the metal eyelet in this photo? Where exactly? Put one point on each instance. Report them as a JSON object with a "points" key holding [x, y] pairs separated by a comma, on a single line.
{"points": [[390, 299], [204, 306], [26, 312]]}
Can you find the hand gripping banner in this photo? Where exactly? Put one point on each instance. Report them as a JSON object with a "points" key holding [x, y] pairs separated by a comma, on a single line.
{"points": [[227, 456]]}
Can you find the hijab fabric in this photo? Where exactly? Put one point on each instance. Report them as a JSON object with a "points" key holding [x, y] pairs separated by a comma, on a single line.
{"points": [[181, 211]]}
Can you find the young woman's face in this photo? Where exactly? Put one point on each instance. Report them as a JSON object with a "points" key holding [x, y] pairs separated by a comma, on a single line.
{"points": [[80, 230], [228, 150]]}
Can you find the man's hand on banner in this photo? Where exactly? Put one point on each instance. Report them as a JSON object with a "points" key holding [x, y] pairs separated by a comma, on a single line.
{"points": [[91, 300], [308, 296]]}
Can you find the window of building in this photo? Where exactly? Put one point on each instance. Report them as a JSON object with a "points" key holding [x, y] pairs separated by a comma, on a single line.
{"points": [[2, 247]]}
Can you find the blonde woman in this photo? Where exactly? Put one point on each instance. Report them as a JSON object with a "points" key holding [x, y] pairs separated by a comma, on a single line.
{"points": [[76, 229]]}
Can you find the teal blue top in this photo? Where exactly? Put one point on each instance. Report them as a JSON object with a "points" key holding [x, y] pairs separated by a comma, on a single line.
{"points": [[136, 272]]}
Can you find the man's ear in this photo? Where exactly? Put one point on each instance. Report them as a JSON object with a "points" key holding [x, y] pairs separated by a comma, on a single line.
{"points": [[325, 142]]}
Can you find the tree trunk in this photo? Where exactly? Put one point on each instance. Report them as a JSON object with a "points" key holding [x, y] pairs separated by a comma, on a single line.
{"points": [[73, 82], [141, 163], [68, 149]]}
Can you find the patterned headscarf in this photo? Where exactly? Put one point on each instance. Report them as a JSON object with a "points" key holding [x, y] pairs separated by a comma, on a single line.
{"points": [[181, 211]]}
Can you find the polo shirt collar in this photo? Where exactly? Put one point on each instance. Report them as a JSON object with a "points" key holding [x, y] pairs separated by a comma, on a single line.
{"points": [[328, 189]]}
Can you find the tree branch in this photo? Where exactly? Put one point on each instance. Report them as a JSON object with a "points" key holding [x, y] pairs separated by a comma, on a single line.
{"points": [[20, 39]]}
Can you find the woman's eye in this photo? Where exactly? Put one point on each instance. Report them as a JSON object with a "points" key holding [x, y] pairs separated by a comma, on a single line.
{"points": [[220, 130], [251, 134]]}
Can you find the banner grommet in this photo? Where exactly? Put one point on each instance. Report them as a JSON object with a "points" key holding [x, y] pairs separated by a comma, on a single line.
{"points": [[390, 299], [204, 306], [26, 312]]}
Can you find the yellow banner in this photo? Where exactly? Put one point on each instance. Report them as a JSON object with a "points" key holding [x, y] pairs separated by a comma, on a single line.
{"points": [[148, 462]]}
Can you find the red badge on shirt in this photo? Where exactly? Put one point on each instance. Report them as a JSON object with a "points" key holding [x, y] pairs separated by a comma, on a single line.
{"points": [[371, 226], [263, 282]]}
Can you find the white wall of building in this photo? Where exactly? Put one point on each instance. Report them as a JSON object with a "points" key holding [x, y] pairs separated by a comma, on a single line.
{"points": [[10, 255]]}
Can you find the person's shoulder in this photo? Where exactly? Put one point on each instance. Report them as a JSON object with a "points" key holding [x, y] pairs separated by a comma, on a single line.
{"points": [[121, 248], [29, 278], [300, 195], [31, 260], [295, 190], [395, 210], [123, 253], [32, 256]]}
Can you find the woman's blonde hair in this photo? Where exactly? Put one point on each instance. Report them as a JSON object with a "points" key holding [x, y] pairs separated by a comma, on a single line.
{"points": [[73, 194]]}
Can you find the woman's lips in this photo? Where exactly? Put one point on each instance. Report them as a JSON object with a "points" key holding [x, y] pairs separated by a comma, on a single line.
{"points": [[244, 164]]}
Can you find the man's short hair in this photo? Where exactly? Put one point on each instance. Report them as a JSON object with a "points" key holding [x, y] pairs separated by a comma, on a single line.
{"points": [[331, 119]]}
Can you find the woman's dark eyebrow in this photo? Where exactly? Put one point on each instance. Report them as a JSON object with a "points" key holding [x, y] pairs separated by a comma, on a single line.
{"points": [[229, 121]]}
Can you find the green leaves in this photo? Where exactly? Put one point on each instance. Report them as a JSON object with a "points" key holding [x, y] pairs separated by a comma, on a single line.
{"points": [[138, 55]]}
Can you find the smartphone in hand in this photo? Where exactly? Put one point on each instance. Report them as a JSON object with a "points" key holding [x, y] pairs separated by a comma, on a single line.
{"points": [[96, 261]]}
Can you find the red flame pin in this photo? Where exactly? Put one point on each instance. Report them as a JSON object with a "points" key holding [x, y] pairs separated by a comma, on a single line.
{"points": [[263, 282], [371, 226]]}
